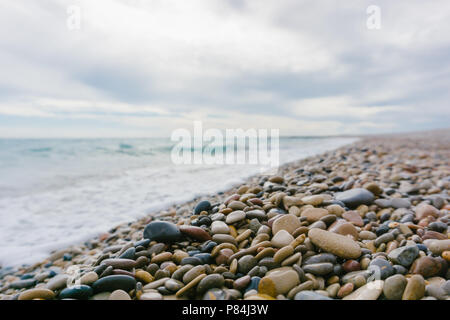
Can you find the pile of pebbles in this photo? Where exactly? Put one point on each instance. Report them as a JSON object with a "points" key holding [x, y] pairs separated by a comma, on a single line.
{"points": [[367, 221]]}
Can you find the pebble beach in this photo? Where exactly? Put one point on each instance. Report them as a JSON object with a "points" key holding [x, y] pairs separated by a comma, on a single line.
{"points": [[367, 221]]}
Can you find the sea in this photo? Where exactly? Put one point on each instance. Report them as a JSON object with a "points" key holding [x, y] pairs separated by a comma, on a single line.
{"points": [[58, 192]]}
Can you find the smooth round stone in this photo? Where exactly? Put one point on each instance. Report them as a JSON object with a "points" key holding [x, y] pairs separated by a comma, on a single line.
{"points": [[345, 290], [281, 239], [205, 258], [404, 256], [193, 273], [319, 269], [162, 231], [37, 293], [204, 205], [310, 295], [79, 292], [367, 235], [336, 244], [320, 258], [89, 278], [173, 285], [114, 282], [144, 276], [57, 282], [415, 288], [191, 260], [436, 292], [394, 287], [382, 268], [246, 263], [287, 222], [21, 284], [224, 254], [151, 296], [279, 280], [119, 295], [398, 203], [426, 266], [314, 200], [124, 264], [235, 216], [195, 233], [355, 197], [283, 253], [210, 281], [344, 228], [369, 291], [242, 282], [314, 214], [439, 246], [224, 238], [424, 210], [256, 214], [353, 217], [220, 227], [351, 265]]}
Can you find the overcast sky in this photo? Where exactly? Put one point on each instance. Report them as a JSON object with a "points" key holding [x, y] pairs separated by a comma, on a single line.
{"points": [[145, 68]]}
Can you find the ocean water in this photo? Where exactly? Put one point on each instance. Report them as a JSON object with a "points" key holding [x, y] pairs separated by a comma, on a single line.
{"points": [[59, 192]]}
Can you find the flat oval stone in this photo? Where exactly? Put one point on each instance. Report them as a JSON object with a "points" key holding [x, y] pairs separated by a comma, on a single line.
{"points": [[314, 214], [195, 233], [256, 214], [337, 244], [114, 282], [439, 246], [355, 197], [125, 264], [344, 228], [281, 239], [320, 258], [235, 216], [151, 296], [394, 287], [21, 284], [210, 281], [79, 292], [89, 278], [37, 293], [319, 269], [288, 222], [193, 273], [246, 263], [220, 227], [57, 282], [162, 231]]}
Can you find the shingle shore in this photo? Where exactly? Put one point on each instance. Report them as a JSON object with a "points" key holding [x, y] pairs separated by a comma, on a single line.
{"points": [[365, 221]]}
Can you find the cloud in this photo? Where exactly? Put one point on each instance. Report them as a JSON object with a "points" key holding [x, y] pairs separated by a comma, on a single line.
{"points": [[145, 67]]}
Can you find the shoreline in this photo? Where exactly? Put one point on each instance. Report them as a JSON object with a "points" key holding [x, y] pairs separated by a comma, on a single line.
{"points": [[87, 256]]}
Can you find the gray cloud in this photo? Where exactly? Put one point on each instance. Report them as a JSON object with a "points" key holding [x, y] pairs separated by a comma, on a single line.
{"points": [[161, 64]]}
